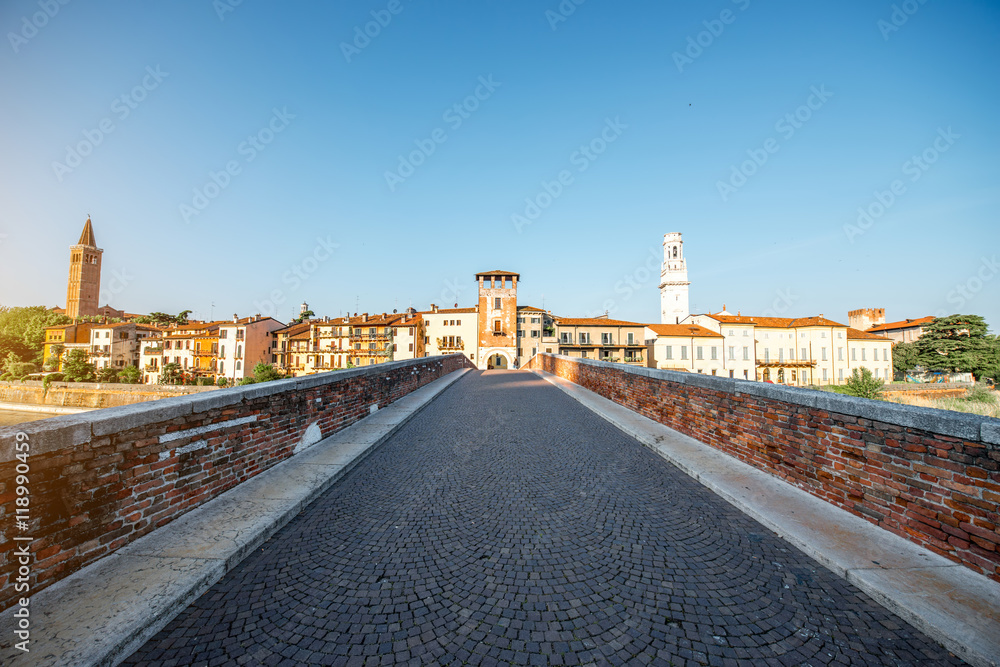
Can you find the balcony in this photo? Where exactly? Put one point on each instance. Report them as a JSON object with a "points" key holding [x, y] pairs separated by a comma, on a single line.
{"points": [[782, 363], [206, 353], [370, 338], [457, 344], [153, 350]]}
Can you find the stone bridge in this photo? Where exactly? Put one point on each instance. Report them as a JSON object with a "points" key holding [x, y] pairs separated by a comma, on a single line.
{"points": [[579, 512]]}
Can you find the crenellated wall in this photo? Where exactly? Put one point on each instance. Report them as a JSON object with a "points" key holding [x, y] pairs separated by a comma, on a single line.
{"points": [[99, 480], [931, 476]]}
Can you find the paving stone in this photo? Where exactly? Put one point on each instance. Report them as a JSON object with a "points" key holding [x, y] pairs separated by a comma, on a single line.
{"points": [[507, 524]]}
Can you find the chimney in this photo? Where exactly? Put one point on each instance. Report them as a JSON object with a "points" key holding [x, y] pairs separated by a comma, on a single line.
{"points": [[236, 318], [364, 317], [434, 308]]}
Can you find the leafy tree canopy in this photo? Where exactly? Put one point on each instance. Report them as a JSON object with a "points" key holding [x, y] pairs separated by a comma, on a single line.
{"points": [[957, 344], [22, 331], [76, 368]]}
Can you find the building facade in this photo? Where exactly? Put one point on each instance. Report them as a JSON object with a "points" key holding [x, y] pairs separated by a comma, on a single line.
{"points": [[602, 339], [84, 286], [497, 336], [674, 285], [905, 331]]}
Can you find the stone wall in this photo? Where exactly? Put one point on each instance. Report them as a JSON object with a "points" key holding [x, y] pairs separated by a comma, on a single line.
{"points": [[931, 476], [99, 480], [89, 394]]}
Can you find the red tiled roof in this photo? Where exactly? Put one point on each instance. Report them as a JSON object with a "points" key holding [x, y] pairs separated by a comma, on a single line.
{"points": [[498, 272], [531, 308], [594, 321], [733, 319], [450, 311], [683, 330], [858, 334], [904, 324], [791, 322]]}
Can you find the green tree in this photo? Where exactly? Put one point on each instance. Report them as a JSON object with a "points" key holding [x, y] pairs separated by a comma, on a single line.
{"points": [[171, 374], [863, 384], [77, 368], [130, 375], [22, 331], [266, 373], [905, 357], [107, 375], [956, 344]]}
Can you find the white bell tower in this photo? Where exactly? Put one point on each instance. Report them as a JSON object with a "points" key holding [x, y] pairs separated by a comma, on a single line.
{"points": [[673, 281]]}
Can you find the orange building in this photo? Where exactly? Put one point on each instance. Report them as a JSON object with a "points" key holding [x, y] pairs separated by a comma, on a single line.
{"points": [[84, 287], [497, 319]]}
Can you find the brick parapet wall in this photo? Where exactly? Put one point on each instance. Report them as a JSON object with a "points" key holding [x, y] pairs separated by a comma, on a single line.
{"points": [[100, 480], [931, 476]]}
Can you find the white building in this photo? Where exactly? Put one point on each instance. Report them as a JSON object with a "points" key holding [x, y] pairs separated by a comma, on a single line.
{"points": [[686, 347], [739, 344], [674, 285], [450, 331]]}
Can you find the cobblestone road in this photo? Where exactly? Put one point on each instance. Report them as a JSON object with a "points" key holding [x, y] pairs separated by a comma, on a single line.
{"points": [[506, 524]]}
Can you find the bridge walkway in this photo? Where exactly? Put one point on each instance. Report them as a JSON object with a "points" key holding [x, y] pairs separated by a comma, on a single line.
{"points": [[507, 524]]}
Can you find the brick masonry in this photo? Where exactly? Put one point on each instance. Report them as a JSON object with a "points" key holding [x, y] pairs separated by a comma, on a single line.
{"points": [[101, 480], [930, 476]]}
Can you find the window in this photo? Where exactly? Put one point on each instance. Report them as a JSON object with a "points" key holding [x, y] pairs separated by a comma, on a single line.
{"points": [[746, 353], [730, 374], [746, 333], [583, 354], [746, 375], [698, 353], [732, 353], [535, 320], [854, 354], [781, 354], [496, 303], [840, 375], [864, 354], [458, 322], [534, 333], [823, 352], [684, 352], [840, 354], [714, 353], [840, 334], [496, 326], [805, 354], [670, 352], [566, 338], [584, 338], [767, 355], [877, 373], [732, 333], [239, 366], [791, 353], [222, 334], [824, 375], [605, 339], [885, 354], [822, 334]]}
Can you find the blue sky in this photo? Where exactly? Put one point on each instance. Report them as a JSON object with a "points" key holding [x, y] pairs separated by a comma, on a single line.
{"points": [[684, 105]]}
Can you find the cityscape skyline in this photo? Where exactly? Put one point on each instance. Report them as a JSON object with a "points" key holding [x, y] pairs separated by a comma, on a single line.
{"points": [[802, 185]]}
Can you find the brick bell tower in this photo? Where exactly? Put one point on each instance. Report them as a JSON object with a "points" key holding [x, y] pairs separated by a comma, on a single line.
{"points": [[497, 319], [84, 287]]}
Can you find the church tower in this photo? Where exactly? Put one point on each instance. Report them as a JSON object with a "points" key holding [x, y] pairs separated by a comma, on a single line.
{"points": [[84, 288], [673, 281]]}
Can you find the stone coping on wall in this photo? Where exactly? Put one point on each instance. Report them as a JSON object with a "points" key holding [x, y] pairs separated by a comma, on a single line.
{"points": [[56, 433], [180, 389], [942, 422]]}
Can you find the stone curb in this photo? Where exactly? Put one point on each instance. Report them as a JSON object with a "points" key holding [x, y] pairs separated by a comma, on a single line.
{"points": [[955, 606], [103, 613]]}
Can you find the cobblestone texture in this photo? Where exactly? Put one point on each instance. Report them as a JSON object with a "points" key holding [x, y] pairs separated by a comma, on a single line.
{"points": [[506, 524]]}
